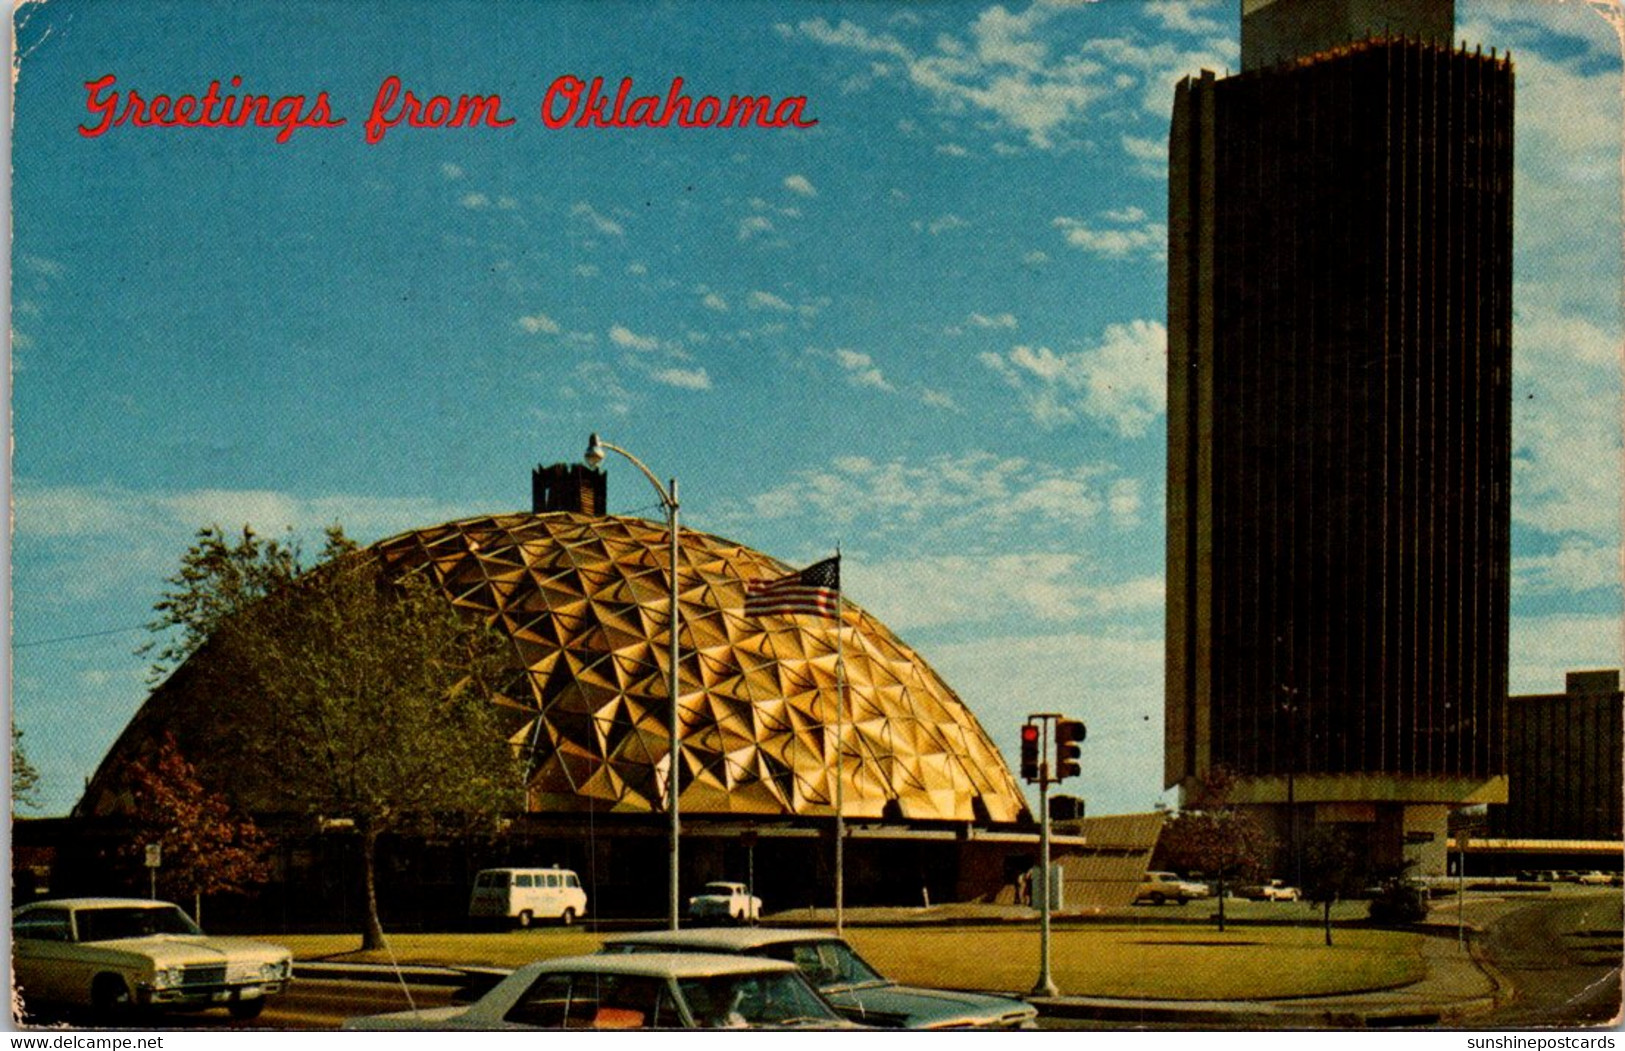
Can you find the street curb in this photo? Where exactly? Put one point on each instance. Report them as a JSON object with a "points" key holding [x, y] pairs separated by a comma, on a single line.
{"points": [[1257, 1016]]}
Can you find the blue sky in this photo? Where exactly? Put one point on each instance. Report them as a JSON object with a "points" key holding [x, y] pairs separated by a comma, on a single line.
{"points": [[929, 329]]}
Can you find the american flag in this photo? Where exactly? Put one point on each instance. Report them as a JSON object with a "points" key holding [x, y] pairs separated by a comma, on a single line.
{"points": [[815, 591]]}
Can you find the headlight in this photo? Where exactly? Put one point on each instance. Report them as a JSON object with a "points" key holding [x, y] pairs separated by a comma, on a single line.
{"points": [[166, 977], [274, 969]]}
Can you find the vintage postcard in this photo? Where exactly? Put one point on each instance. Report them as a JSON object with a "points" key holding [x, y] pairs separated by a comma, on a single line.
{"points": [[1027, 515]]}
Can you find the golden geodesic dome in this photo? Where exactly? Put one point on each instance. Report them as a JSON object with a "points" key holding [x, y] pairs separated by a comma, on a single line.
{"points": [[586, 601]]}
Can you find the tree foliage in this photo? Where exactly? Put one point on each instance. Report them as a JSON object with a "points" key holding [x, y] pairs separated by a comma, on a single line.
{"points": [[218, 578], [1213, 837], [24, 777], [1332, 870], [353, 694], [206, 847]]}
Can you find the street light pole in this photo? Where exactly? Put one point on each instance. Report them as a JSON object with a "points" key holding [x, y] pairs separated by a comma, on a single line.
{"points": [[668, 499]]}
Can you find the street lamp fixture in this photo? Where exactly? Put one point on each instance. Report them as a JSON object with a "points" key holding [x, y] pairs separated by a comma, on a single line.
{"points": [[668, 499]]}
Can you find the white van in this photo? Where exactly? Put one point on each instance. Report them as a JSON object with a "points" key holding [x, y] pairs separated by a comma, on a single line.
{"points": [[527, 895]]}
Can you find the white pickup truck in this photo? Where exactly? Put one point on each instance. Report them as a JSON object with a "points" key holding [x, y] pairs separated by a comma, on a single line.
{"points": [[725, 901]]}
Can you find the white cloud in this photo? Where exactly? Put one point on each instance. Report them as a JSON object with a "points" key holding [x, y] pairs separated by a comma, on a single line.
{"points": [[1003, 66], [953, 589], [601, 223], [1568, 454], [715, 302], [1005, 320], [946, 499], [585, 270], [1150, 155], [952, 149], [1579, 564], [941, 225], [688, 379], [752, 225], [475, 201], [800, 184], [1120, 383], [861, 370], [1543, 648], [451, 171], [104, 523], [597, 383], [1132, 237], [622, 336], [1185, 16], [759, 300], [539, 324]]}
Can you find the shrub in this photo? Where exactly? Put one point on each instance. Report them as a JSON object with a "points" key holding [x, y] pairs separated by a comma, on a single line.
{"points": [[1399, 901]]}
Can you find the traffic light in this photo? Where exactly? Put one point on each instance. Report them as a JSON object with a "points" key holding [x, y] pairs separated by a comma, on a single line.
{"points": [[1029, 752], [1068, 734]]}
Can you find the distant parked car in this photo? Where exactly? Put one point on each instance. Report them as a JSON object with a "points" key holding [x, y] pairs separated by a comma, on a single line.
{"points": [[1158, 887], [1594, 878], [851, 986], [115, 955], [655, 991], [725, 901], [1274, 890], [525, 896]]}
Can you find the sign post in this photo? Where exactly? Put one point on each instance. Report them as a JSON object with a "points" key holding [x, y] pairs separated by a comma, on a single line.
{"points": [[155, 858]]}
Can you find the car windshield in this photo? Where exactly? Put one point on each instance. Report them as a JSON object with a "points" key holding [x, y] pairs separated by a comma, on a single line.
{"points": [[123, 921], [827, 964], [737, 1001], [723, 889]]}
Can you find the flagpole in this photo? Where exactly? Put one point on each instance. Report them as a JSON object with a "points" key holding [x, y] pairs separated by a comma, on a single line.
{"points": [[840, 751]]}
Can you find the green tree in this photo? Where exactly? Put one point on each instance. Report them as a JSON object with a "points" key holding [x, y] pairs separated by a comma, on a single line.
{"points": [[218, 579], [206, 847], [355, 693], [1216, 838], [1332, 870], [24, 777]]}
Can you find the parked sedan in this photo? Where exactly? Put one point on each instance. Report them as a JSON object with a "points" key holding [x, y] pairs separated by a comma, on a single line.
{"points": [[116, 954], [1158, 887], [1274, 890], [854, 988], [657, 991]]}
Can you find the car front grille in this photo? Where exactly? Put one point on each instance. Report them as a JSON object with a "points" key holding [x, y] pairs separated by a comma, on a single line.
{"points": [[203, 974]]}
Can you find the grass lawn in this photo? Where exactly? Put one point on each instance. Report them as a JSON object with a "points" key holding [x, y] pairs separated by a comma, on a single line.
{"points": [[1146, 962]]}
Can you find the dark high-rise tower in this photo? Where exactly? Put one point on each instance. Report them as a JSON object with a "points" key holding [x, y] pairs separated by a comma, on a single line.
{"points": [[1339, 440]]}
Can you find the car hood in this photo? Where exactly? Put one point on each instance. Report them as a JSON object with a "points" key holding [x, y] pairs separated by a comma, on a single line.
{"points": [[912, 1007], [428, 1018], [173, 950]]}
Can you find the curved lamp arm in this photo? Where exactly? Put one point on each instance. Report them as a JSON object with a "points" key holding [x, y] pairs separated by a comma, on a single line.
{"points": [[595, 456]]}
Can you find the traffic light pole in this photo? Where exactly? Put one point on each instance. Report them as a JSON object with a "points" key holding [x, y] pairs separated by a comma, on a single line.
{"points": [[1046, 985], [1035, 767]]}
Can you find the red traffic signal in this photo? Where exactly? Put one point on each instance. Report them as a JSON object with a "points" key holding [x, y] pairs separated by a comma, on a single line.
{"points": [[1029, 752], [1069, 733]]}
